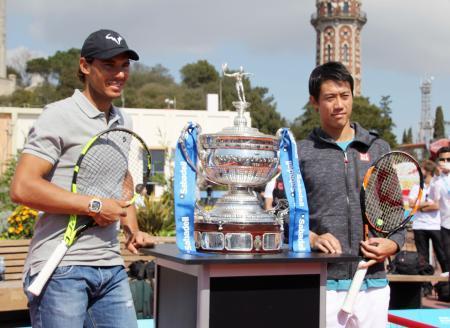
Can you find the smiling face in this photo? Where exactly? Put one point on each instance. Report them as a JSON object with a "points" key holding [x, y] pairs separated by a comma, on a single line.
{"points": [[105, 79], [334, 106]]}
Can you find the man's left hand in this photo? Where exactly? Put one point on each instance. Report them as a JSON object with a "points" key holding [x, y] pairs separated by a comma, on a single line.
{"points": [[139, 239], [377, 250]]}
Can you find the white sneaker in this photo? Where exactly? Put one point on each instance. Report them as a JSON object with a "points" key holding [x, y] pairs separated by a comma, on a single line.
{"points": [[444, 274]]}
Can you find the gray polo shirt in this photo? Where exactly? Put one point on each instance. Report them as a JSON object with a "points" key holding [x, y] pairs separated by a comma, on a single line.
{"points": [[58, 136]]}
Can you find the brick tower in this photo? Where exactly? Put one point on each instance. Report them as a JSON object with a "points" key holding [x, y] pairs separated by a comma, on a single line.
{"points": [[338, 24]]}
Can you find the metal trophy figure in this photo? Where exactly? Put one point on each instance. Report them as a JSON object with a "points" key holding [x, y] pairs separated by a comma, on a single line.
{"points": [[239, 84], [240, 157]]}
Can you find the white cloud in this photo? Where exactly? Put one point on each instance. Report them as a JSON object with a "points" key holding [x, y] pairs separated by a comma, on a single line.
{"points": [[160, 26], [404, 35], [407, 35]]}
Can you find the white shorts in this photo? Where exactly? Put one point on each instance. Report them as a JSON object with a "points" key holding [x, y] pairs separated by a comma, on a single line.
{"points": [[370, 310]]}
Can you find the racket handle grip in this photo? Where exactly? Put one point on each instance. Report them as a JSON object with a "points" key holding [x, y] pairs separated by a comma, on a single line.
{"points": [[36, 287], [353, 291]]}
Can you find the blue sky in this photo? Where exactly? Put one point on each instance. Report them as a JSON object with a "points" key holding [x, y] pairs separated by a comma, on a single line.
{"points": [[403, 42]]}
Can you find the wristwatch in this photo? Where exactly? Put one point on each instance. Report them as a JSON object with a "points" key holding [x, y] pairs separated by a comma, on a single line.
{"points": [[95, 205]]}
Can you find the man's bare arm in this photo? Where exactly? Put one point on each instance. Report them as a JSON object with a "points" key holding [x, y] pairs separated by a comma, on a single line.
{"points": [[30, 188]]}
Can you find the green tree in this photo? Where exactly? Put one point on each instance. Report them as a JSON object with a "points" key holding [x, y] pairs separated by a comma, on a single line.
{"points": [[404, 136], [148, 87], [375, 118], [39, 66], [407, 136], [64, 67], [6, 205], [11, 70], [439, 126], [197, 80], [385, 104], [20, 97], [305, 123], [410, 136], [198, 74], [60, 79], [9, 167], [60, 75], [142, 74], [157, 216], [263, 111]]}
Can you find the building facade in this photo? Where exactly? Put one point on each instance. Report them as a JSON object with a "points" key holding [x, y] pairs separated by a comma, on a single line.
{"points": [[338, 24]]}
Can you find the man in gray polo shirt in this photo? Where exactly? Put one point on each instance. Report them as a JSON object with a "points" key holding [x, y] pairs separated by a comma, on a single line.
{"points": [[90, 287]]}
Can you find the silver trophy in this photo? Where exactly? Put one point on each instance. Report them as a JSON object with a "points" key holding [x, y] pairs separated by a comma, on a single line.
{"points": [[240, 157]]}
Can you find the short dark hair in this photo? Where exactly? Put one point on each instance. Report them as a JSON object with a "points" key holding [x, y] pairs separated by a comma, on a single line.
{"points": [[333, 71], [430, 166], [444, 149], [81, 76]]}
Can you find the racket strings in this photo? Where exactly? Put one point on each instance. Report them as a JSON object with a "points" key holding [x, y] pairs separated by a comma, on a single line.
{"points": [[385, 205], [114, 164]]}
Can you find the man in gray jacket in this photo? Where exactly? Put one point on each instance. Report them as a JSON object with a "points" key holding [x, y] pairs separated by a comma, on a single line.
{"points": [[333, 161]]}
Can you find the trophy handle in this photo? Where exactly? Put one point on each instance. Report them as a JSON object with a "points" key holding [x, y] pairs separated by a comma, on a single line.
{"points": [[278, 134], [281, 206], [282, 209], [202, 212], [181, 141]]}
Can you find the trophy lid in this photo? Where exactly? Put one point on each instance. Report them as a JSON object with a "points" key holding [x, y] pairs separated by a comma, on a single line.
{"points": [[242, 137], [239, 132]]}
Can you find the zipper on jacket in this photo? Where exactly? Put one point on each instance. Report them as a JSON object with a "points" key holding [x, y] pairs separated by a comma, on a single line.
{"points": [[349, 223], [347, 198]]}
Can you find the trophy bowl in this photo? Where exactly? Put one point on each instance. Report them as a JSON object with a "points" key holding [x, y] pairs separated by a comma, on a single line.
{"points": [[238, 160], [241, 158]]}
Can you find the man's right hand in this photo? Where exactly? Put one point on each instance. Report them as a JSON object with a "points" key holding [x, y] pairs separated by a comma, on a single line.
{"points": [[326, 243], [112, 210]]}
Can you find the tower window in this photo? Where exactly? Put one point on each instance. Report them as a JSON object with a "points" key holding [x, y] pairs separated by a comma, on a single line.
{"points": [[346, 7], [329, 9], [328, 52], [345, 54], [329, 31]]}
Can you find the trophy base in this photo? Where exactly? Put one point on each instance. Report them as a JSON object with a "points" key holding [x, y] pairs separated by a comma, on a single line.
{"points": [[238, 237]]}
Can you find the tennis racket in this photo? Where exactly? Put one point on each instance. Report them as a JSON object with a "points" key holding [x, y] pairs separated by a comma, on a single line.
{"points": [[384, 201], [110, 166]]}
